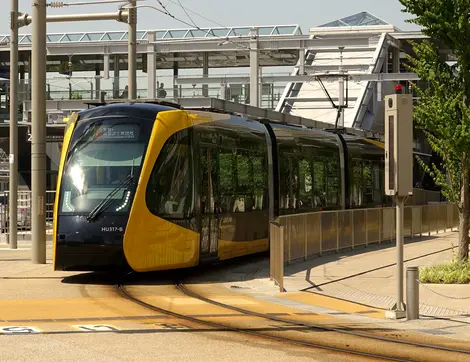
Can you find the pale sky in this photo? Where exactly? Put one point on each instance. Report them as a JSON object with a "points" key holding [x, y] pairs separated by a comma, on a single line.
{"points": [[306, 13]]}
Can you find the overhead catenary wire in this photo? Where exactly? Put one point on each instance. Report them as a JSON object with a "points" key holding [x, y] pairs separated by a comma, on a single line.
{"points": [[226, 39], [185, 9], [200, 15], [189, 16], [165, 12]]}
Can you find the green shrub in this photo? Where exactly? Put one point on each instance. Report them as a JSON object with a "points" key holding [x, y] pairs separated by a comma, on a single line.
{"points": [[451, 273]]}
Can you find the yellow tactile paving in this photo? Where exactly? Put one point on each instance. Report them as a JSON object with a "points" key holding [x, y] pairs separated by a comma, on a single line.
{"points": [[189, 305], [225, 296], [332, 303], [167, 297], [69, 308]]}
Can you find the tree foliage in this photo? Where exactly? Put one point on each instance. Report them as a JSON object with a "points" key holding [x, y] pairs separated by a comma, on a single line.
{"points": [[447, 21], [442, 116], [443, 109]]}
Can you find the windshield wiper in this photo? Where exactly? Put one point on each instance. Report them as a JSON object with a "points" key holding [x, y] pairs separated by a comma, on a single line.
{"points": [[104, 204]]}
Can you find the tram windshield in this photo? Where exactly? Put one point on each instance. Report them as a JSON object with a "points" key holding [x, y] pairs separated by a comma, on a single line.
{"points": [[103, 154]]}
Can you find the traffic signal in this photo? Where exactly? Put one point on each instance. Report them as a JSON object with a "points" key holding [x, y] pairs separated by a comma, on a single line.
{"points": [[398, 89]]}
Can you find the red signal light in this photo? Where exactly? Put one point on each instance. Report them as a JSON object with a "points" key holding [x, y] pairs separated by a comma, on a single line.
{"points": [[398, 89]]}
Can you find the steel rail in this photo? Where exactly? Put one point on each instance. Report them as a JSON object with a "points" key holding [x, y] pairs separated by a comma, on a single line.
{"points": [[121, 290], [193, 294]]}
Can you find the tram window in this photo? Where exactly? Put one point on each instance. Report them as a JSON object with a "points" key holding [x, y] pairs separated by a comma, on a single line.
{"points": [[244, 173], [306, 189], [367, 179], [378, 183], [244, 200], [226, 177], [357, 184], [260, 182], [319, 183], [170, 187], [333, 183], [289, 182], [242, 181]]}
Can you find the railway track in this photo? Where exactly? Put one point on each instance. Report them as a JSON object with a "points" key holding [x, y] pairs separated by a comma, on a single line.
{"points": [[334, 339]]}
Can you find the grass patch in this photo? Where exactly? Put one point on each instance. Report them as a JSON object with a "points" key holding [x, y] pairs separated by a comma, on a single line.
{"points": [[451, 273]]}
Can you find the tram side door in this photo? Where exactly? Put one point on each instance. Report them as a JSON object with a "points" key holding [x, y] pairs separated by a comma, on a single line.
{"points": [[208, 196]]}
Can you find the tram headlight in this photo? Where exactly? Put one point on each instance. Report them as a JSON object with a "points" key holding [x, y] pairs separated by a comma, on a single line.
{"points": [[78, 178]]}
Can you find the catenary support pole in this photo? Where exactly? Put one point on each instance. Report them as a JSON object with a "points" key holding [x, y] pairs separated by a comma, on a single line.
{"points": [[254, 68], [151, 66], [341, 102], [205, 73], [97, 84], [302, 61], [341, 90], [38, 148], [132, 67], [13, 182]]}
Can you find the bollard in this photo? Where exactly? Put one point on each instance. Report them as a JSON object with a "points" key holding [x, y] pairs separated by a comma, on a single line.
{"points": [[412, 293]]}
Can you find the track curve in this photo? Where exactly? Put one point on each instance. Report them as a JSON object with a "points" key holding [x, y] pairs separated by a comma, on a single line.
{"points": [[193, 294], [125, 294], [347, 340]]}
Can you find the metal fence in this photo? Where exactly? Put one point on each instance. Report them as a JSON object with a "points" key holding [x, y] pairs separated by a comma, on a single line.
{"points": [[424, 197], [276, 232], [307, 235], [24, 212]]}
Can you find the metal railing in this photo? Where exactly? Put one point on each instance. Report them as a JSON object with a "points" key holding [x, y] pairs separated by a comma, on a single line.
{"points": [[307, 235], [424, 197], [84, 88], [24, 213], [276, 273]]}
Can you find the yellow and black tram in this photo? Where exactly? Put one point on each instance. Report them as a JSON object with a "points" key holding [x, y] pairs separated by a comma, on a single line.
{"points": [[155, 187]]}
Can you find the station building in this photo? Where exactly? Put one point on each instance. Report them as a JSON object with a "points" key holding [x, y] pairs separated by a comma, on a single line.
{"points": [[336, 74]]}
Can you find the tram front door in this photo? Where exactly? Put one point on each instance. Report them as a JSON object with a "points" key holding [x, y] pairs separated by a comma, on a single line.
{"points": [[209, 211]]}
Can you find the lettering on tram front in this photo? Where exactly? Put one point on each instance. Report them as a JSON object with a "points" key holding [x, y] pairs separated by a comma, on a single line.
{"points": [[110, 229]]}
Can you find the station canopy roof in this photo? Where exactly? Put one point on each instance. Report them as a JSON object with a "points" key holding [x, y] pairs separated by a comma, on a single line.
{"points": [[226, 47], [87, 47], [162, 34], [360, 19]]}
